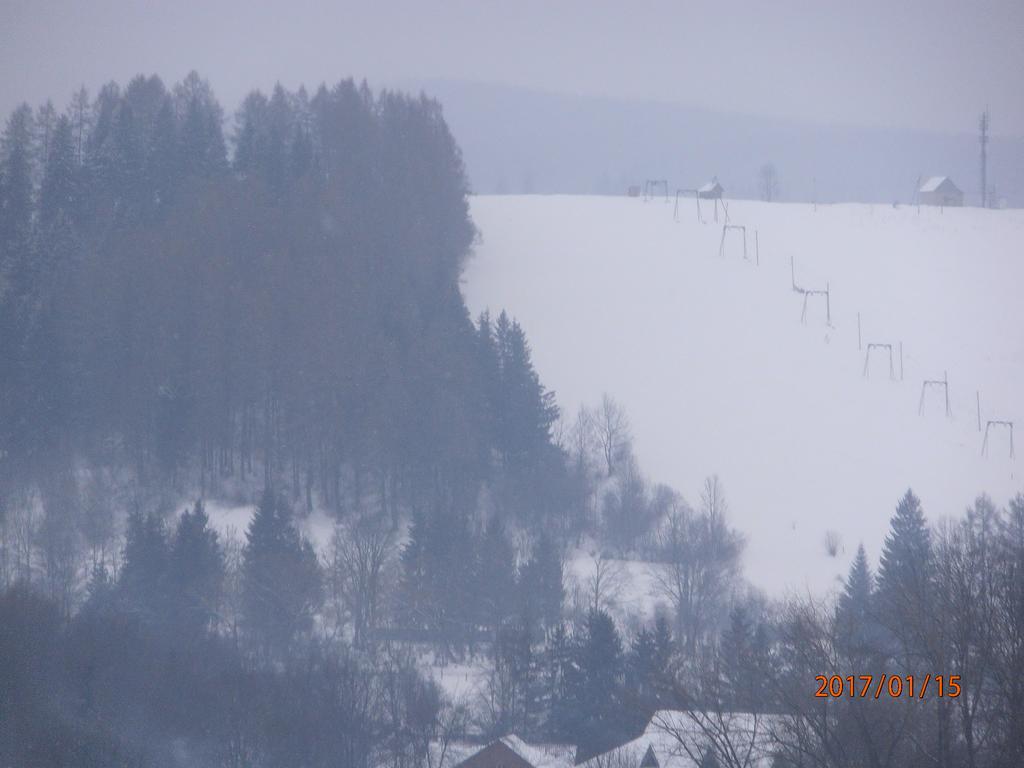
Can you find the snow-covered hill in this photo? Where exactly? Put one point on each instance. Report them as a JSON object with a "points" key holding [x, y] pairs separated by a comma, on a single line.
{"points": [[719, 375]]}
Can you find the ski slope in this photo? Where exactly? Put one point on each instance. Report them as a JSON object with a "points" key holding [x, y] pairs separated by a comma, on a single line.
{"points": [[719, 375]]}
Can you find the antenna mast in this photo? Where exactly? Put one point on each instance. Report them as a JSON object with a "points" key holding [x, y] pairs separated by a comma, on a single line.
{"points": [[983, 138]]}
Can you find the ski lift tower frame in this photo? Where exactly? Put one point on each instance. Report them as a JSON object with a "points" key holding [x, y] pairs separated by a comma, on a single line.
{"points": [[736, 227], [997, 423], [889, 348], [944, 384], [651, 184], [827, 293], [684, 192]]}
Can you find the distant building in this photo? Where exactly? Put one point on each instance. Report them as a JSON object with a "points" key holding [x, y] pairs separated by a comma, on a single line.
{"points": [[678, 739], [512, 752], [711, 191], [940, 190]]}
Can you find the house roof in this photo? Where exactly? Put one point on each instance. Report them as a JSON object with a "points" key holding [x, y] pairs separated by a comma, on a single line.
{"points": [[936, 182], [650, 759], [711, 186], [674, 738], [542, 755], [535, 755]]}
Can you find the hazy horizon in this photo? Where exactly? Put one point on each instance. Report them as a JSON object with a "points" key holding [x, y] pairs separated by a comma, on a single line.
{"points": [[918, 66]]}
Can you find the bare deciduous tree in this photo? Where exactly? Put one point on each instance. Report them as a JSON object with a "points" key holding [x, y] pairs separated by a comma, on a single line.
{"points": [[702, 733], [582, 438], [612, 431], [605, 582], [699, 557], [357, 560], [449, 725]]}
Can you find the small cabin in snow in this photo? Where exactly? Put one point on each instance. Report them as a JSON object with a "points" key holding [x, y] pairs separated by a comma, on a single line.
{"points": [[940, 190], [711, 191]]}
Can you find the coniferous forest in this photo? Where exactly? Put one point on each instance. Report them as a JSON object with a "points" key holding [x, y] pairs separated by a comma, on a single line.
{"points": [[200, 310]]}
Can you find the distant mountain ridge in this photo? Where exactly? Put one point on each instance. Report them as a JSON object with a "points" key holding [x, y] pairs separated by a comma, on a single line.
{"points": [[517, 140]]}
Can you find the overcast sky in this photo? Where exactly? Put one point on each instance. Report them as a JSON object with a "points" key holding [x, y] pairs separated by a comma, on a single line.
{"points": [[917, 64]]}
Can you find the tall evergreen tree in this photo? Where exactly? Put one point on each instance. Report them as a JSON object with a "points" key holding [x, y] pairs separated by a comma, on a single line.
{"points": [[144, 574], [16, 186], [58, 193], [855, 614], [281, 583], [541, 584], [596, 685], [195, 571], [905, 565], [496, 576], [527, 409], [905, 594]]}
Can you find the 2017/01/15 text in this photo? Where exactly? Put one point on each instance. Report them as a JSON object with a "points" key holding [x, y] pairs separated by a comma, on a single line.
{"points": [[893, 686]]}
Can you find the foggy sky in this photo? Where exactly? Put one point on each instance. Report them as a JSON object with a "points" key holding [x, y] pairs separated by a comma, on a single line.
{"points": [[922, 65]]}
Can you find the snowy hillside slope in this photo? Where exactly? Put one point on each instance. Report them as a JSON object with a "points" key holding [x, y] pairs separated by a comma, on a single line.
{"points": [[719, 375]]}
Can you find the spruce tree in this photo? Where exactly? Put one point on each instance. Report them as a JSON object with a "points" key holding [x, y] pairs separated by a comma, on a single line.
{"points": [[541, 583], [143, 580], [642, 672], [596, 685], [663, 644], [195, 571], [855, 615], [905, 575], [163, 173], [495, 580], [58, 191], [281, 583], [16, 187], [412, 586]]}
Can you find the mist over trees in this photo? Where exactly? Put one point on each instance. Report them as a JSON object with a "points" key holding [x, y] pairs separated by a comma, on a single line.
{"points": [[186, 318], [272, 313]]}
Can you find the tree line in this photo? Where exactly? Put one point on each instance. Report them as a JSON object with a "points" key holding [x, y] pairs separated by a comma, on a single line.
{"points": [[274, 313]]}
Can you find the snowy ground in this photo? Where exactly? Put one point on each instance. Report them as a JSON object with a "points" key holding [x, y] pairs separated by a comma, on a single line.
{"points": [[718, 374]]}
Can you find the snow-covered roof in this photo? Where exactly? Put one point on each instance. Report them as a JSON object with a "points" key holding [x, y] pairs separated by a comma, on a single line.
{"points": [[542, 755], [933, 184], [711, 186], [537, 755], [678, 738]]}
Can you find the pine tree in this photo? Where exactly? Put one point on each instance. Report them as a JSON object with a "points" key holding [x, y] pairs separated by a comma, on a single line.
{"points": [[541, 584], [281, 584], [195, 571], [528, 410], [556, 678], [202, 147], [490, 373], [58, 192], [856, 622], [16, 187], [80, 114], [905, 575], [413, 587], [642, 671], [163, 173], [144, 575], [663, 643], [496, 576], [44, 124], [17, 276], [595, 688]]}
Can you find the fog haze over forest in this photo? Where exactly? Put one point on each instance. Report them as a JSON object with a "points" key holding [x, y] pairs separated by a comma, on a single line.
{"points": [[851, 102], [526, 141], [382, 385]]}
